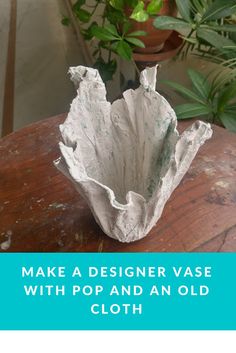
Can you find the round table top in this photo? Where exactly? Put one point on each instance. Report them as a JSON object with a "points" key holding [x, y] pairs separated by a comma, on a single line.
{"points": [[40, 211]]}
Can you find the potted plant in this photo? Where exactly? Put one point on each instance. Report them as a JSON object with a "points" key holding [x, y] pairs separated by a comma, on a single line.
{"points": [[214, 101], [142, 17], [211, 35], [126, 26]]}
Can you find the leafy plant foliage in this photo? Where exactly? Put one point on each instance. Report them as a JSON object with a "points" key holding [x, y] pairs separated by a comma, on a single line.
{"points": [[215, 101], [208, 29], [210, 34], [208, 24], [114, 34]]}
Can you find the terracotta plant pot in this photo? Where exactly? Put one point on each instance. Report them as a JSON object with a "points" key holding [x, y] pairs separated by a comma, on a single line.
{"points": [[155, 38], [169, 50]]}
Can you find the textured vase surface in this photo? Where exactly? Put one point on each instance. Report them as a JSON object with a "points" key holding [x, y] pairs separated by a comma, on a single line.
{"points": [[125, 158]]}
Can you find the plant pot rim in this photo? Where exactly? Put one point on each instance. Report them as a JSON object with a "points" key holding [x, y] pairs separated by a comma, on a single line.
{"points": [[169, 50]]}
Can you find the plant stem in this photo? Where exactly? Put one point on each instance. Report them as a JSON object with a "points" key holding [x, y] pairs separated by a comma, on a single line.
{"points": [[109, 55], [136, 67], [184, 43]]}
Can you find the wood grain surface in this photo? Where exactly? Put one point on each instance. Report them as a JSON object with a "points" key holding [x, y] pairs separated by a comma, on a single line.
{"points": [[40, 211]]}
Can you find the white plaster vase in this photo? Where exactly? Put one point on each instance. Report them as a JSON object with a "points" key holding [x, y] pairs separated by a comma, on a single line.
{"points": [[125, 158]]}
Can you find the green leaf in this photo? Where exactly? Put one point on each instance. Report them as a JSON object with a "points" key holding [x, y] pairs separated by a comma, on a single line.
{"points": [[131, 3], [126, 27], [191, 110], [135, 41], [65, 21], [154, 7], [198, 6], [226, 96], [219, 9], [77, 5], [213, 38], [114, 16], [139, 14], [137, 33], [231, 107], [88, 32], [229, 120], [184, 7], [167, 22], [232, 35], [106, 70], [111, 29], [124, 50], [183, 91], [117, 4], [200, 83], [103, 34], [83, 15], [222, 28], [189, 39]]}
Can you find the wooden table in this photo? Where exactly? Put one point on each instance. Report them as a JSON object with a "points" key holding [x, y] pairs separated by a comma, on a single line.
{"points": [[41, 212]]}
